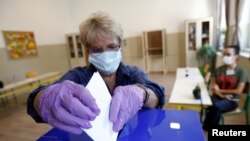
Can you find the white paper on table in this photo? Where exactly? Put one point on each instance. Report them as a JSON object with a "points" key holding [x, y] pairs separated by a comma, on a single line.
{"points": [[102, 127]]}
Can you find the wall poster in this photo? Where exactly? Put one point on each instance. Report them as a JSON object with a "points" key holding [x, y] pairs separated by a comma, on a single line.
{"points": [[20, 44]]}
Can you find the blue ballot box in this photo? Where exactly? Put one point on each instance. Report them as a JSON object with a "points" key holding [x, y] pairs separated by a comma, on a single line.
{"points": [[147, 125]]}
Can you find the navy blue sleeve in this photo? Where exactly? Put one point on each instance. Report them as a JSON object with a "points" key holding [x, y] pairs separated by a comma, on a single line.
{"points": [[30, 108], [78, 75], [140, 77]]}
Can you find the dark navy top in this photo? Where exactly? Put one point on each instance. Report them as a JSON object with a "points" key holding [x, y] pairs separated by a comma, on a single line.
{"points": [[126, 75]]}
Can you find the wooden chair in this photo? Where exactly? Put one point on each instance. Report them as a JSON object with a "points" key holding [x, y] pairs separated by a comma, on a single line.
{"points": [[244, 109], [30, 74]]}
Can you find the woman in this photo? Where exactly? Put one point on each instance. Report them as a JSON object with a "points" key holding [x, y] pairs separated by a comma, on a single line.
{"points": [[68, 105], [227, 84]]}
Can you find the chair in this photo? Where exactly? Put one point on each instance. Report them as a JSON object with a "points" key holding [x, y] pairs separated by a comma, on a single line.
{"points": [[241, 110], [30, 74]]}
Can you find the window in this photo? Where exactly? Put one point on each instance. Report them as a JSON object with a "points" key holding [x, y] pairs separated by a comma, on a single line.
{"points": [[223, 26], [247, 48], [244, 26]]}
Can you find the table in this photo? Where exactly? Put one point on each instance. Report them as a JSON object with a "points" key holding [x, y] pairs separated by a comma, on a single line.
{"points": [[182, 93], [27, 85], [147, 125]]}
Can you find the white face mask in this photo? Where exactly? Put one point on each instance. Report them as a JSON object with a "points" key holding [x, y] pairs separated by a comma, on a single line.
{"points": [[228, 60], [106, 62]]}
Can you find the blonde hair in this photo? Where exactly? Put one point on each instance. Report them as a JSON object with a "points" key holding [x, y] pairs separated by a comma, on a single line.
{"points": [[99, 26]]}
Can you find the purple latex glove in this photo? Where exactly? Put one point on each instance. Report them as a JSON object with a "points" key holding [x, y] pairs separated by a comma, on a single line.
{"points": [[68, 106], [126, 102]]}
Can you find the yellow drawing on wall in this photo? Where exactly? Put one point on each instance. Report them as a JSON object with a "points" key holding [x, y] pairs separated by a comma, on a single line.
{"points": [[20, 44]]}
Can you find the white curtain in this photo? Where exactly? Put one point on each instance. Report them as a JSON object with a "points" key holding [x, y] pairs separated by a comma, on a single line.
{"points": [[219, 12], [244, 24]]}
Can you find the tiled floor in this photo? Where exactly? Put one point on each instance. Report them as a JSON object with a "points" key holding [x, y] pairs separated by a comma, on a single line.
{"points": [[16, 125]]}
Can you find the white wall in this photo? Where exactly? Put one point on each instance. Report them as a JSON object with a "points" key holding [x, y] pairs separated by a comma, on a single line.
{"points": [[48, 19], [138, 15]]}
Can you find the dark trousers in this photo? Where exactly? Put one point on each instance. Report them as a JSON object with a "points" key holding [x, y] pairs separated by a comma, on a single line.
{"points": [[213, 113]]}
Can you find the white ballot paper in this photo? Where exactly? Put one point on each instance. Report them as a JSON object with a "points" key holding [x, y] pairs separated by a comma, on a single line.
{"points": [[102, 127]]}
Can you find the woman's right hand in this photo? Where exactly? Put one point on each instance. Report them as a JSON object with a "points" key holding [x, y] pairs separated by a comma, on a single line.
{"points": [[68, 106]]}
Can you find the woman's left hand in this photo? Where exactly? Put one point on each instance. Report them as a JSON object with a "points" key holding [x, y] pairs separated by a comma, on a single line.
{"points": [[126, 102]]}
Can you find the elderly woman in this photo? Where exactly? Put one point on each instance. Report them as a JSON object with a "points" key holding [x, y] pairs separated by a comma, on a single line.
{"points": [[68, 105]]}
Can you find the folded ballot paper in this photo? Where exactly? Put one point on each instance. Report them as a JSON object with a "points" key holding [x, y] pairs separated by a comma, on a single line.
{"points": [[102, 127]]}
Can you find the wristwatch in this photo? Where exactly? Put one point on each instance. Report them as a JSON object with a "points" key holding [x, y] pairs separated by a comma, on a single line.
{"points": [[145, 101]]}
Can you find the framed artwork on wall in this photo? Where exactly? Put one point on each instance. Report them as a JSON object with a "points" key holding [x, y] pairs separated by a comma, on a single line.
{"points": [[20, 44]]}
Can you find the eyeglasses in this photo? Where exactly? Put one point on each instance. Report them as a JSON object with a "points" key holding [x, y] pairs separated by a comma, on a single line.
{"points": [[110, 47]]}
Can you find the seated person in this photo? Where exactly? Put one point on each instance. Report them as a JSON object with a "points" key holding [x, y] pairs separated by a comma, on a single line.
{"points": [[228, 82], [68, 105]]}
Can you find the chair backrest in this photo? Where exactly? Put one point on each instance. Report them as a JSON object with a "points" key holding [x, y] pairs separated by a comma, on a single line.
{"points": [[31, 74], [247, 100], [246, 88]]}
